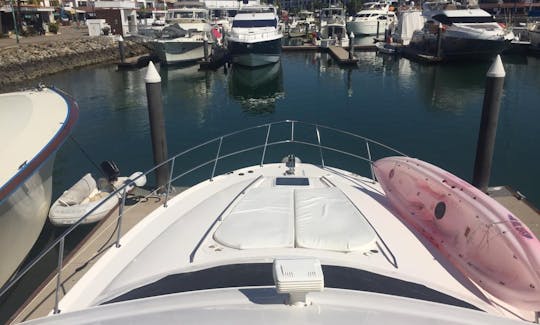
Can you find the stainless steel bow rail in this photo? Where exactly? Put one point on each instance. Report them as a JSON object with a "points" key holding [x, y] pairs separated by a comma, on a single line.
{"points": [[293, 138]]}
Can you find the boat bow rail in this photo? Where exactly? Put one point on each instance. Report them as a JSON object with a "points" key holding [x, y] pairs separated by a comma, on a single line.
{"points": [[287, 132]]}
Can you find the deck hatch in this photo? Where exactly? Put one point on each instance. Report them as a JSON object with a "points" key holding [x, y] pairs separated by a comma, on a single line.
{"points": [[292, 181]]}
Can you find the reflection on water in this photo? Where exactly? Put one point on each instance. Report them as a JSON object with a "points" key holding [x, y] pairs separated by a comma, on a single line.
{"points": [[364, 41], [257, 89], [187, 89], [450, 87]]}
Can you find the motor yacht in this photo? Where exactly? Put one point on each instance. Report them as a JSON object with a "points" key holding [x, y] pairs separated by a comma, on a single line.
{"points": [[372, 20], [333, 29], [34, 124], [466, 33], [300, 240], [183, 39], [534, 34], [255, 38]]}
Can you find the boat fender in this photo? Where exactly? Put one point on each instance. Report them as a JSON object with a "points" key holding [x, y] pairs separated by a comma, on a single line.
{"points": [[139, 179]]}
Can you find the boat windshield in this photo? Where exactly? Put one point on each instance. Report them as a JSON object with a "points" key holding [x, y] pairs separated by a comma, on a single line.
{"points": [[463, 20], [255, 23], [332, 12], [187, 15]]}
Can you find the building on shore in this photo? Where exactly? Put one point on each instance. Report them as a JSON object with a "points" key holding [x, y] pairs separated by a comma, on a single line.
{"points": [[34, 19]]}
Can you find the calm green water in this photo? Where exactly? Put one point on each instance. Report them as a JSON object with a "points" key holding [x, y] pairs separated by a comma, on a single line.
{"points": [[430, 112]]}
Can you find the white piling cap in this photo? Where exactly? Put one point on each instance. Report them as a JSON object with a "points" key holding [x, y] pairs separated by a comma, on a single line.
{"points": [[152, 76], [352, 35], [497, 69]]}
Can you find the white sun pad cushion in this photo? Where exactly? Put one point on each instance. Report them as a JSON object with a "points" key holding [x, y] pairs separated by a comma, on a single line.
{"points": [[326, 219], [263, 218]]}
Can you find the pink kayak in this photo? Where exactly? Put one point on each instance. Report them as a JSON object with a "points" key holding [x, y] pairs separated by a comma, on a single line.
{"points": [[479, 236]]}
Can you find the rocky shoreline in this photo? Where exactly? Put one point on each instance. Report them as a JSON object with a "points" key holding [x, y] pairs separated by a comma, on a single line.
{"points": [[31, 61]]}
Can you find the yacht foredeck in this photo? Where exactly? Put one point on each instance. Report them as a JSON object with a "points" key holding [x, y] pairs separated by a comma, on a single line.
{"points": [[215, 242], [244, 217]]}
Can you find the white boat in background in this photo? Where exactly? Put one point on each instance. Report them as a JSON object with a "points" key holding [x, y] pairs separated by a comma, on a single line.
{"points": [[304, 24], [33, 124], [466, 33], [534, 35], [248, 245], [333, 29], [183, 39], [89, 197], [386, 48], [255, 37], [409, 21], [372, 20]]}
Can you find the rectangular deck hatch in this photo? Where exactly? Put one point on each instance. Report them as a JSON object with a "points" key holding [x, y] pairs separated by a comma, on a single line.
{"points": [[292, 181]]}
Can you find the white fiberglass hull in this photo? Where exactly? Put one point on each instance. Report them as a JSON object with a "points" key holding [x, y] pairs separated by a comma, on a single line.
{"points": [[22, 216], [534, 36], [36, 122], [366, 27], [171, 52]]}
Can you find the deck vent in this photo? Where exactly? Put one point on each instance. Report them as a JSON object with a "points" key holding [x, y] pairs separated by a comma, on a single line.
{"points": [[298, 277]]}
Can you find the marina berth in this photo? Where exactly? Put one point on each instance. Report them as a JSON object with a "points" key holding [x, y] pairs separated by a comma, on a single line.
{"points": [[255, 37], [464, 33], [34, 123], [187, 33], [290, 240]]}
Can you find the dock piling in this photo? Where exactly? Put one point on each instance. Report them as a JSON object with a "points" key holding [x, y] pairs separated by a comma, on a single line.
{"points": [[122, 49], [378, 24], [205, 46], [439, 41], [351, 46], [157, 125], [488, 124]]}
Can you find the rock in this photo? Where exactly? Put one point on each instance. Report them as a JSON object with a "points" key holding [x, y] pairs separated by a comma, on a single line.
{"points": [[30, 61]]}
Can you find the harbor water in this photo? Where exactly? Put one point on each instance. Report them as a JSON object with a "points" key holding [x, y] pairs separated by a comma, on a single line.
{"points": [[431, 112]]}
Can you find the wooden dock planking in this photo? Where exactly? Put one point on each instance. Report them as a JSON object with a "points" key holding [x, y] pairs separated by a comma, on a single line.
{"points": [[41, 302], [307, 47], [135, 62], [341, 55], [518, 205]]}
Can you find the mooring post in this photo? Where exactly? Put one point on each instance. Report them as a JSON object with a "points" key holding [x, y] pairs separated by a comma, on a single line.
{"points": [[157, 125], [205, 45], [121, 49], [439, 40], [351, 46], [488, 124], [378, 24]]}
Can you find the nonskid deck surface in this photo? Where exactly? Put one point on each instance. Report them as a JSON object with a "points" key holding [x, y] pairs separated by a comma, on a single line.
{"points": [[181, 238], [196, 242]]}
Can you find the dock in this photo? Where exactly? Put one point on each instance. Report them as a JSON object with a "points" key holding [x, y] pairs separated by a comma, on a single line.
{"points": [[414, 55], [135, 62], [305, 47], [103, 236], [516, 203], [85, 255], [341, 55]]}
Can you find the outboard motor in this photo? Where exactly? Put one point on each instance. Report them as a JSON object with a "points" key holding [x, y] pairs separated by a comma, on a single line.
{"points": [[110, 170]]}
